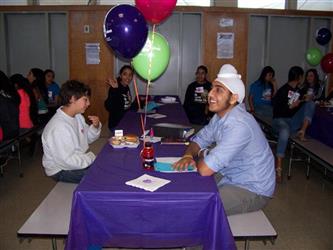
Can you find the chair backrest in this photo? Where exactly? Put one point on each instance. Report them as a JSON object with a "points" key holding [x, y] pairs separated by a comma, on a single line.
{"points": [[9, 118]]}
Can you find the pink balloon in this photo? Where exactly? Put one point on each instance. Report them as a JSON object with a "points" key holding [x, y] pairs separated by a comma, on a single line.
{"points": [[155, 10]]}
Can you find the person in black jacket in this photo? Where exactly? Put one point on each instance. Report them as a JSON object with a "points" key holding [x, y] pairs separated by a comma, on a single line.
{"points": [[195, 103], [119, 98], [9, 108], [292, 113]]}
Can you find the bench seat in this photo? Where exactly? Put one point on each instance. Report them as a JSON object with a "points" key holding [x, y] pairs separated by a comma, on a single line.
{"points": [[315, 150], [251, 226], [51, 218]]}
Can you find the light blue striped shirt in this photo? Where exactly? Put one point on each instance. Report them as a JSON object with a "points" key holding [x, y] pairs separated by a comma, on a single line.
{"points": [[242, 154]]}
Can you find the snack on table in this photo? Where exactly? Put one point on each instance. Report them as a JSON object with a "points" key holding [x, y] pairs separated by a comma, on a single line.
{"points": [[131, 138], [116, 140]]}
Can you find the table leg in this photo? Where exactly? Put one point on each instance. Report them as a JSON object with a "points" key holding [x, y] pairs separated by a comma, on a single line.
{"points": [[54, 244]]}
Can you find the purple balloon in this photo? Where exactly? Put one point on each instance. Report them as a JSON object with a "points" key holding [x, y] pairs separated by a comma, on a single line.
{"points": [[323, 36], [125, 30]]}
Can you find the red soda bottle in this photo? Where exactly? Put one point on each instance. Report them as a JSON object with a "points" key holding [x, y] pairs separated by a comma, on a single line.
{"points": [[147, 155]]}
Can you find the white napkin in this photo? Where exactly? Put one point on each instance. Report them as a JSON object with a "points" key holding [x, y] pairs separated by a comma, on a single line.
{"points": [[157, 116], [147, 182]]}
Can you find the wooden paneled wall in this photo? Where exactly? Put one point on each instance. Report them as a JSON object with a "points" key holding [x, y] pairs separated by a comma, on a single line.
{"points": [[211, 28], [95, 75]]}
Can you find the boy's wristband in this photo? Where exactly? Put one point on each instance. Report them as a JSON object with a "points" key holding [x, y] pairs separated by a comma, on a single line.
{"points": [[188, 156], [204, 152]]}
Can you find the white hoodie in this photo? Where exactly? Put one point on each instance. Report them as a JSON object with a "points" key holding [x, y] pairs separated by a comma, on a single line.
{"points": [[65, 143]]}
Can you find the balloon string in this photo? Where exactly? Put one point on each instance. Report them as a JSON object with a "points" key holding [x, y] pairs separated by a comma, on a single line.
{"points": [[139, 105], [149, 78]]}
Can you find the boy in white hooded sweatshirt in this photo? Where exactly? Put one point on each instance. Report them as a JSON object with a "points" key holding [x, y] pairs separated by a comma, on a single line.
{"points": [[67, 136]]}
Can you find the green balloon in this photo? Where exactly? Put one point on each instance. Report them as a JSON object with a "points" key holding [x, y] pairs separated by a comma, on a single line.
{"points": [[159, 51], [313, 56]]}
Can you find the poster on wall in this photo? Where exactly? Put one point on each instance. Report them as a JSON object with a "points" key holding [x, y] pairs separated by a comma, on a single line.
{"points": [[226, 22], [225, 45], [92, 53]]}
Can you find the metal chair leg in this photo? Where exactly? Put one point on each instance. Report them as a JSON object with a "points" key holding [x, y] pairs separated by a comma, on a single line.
{"points": [[290, 159], [308, 167], [19, 159]]}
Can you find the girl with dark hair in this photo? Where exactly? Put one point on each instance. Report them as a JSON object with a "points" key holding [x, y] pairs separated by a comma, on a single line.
{"points": [[9, 108], [119, 98], [28, 115], [312, 87], [37, 80], [53, 89], [196, 97], [261, 93]]}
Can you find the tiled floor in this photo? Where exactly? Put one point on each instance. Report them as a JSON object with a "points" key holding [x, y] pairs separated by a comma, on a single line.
{"points": [[301, 211]]}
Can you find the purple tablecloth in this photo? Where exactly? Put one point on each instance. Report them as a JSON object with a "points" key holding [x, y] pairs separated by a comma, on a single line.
{"points": [[321, 127], [186, 212]]}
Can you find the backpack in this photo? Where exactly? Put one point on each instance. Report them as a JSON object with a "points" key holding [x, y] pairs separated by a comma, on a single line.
{"points": [[9, 116]]}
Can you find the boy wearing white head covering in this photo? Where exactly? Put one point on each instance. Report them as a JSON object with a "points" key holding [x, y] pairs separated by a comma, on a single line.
{"points": [[241, 155]]}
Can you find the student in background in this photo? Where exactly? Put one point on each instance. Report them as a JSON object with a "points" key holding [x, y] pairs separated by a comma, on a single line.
{"points": [[290, 114], [9, 108], [67, 136], [195, 103], [37, 80], [119, 98], [52, 87], [312, 89], [28, 107], [261, 93]]}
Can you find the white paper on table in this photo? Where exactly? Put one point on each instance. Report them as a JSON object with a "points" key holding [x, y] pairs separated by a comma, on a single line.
{"points": [[148, 183], [152, 139], [156, 116]]}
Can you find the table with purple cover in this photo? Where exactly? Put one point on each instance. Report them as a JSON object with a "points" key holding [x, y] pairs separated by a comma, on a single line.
{"points": [[321, 127], [186, 212]]}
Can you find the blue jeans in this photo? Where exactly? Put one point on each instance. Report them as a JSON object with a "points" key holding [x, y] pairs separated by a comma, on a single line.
{"points": [[72, 176], [264, 111], [284, 127]]}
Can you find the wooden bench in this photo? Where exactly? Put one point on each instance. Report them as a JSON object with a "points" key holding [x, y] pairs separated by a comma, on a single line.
{"points": [[313, 149], [252, 226], [51, 218]]}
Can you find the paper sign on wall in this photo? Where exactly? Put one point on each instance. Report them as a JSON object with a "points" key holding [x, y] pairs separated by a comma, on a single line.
{"points": [[226, 22], [225, 45], [92, 53]]}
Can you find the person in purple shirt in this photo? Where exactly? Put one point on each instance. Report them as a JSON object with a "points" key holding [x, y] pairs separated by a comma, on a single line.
{"points": [[233, 145]]}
